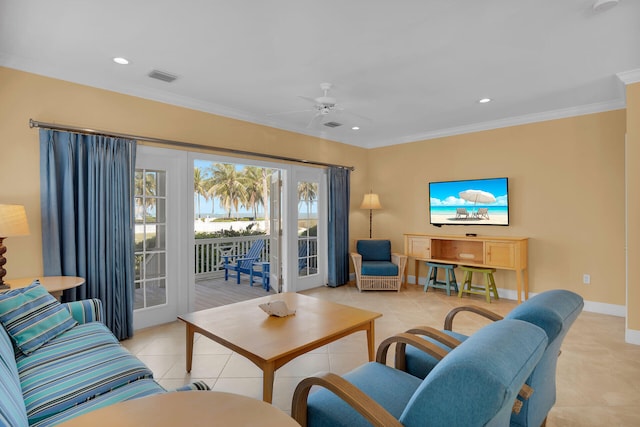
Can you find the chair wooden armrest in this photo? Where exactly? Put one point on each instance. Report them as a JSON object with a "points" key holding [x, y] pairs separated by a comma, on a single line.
{"points": [[350, 394], [401, 340], [448, 321], [435, 334]]}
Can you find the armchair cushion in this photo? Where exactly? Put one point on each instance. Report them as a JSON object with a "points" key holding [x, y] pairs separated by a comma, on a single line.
{"points": [[379, 268], [325, 409], [374, 250]]}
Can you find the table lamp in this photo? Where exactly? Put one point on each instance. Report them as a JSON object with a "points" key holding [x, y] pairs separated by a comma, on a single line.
{"points": [[13, 222], [371, 201]]}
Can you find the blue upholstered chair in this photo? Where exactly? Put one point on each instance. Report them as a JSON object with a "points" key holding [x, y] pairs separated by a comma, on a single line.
{"points": [[462, 390], [553, 311], [243, 263], [376, 267]]}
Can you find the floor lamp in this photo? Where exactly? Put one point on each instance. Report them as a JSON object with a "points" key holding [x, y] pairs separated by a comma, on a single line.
{"points": [[371, 201], [13, 222]]}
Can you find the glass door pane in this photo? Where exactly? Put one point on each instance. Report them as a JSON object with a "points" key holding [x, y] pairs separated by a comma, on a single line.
{"points": [[307, 228], [150, 239]]}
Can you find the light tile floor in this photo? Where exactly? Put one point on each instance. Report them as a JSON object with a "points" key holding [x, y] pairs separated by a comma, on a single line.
{"points": [[598, 375]]}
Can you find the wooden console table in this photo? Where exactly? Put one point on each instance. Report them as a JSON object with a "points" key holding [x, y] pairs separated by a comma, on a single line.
{"points": [[506, 253]]}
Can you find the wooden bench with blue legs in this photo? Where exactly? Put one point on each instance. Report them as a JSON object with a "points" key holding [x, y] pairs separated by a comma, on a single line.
{"points": [[489, 284], [449, 274]]}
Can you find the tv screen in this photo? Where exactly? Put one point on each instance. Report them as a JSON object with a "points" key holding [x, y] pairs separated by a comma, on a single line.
{"points": [[469, 202]]}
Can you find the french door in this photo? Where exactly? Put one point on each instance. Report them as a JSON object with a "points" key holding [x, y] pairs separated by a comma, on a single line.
{"points": [[307, 247], [159, 260]]}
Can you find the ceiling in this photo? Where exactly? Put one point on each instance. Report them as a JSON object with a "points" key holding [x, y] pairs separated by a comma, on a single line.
{"points": [[401, 71]]}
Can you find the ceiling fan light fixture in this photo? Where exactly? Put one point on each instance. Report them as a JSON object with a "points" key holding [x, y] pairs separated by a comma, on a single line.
{"points": [[120, 60], [355, 128], [484, 100]]}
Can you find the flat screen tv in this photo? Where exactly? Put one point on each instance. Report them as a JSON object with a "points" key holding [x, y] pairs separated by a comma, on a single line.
{"points": [[469, 202]]}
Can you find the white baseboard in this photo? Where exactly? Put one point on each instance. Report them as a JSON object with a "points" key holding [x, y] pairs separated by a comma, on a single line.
{"points": [[632, 336], [590, 306]]}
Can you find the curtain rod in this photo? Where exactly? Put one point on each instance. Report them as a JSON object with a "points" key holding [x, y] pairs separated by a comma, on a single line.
{"points": [[53, 126]]}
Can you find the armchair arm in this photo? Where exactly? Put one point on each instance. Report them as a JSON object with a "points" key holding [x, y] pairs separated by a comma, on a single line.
{"points": [[448, 321], [401, 340], [435, 334], [86, 310], [357, 263], [401, 261], [350, 394]]}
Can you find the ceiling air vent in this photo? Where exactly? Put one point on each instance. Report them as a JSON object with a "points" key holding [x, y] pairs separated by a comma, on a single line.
{"points": [[161, 75], [333, 124]]}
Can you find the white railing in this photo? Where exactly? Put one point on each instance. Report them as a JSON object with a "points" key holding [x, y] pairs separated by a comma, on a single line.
{"points": [[208, 253]]}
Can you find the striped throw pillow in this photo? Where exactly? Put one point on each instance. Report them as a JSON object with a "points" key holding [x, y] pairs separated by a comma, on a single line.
{"points": [[32, 317]]}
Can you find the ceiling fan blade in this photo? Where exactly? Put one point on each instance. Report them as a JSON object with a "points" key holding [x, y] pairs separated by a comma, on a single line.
{"points": [[290, 112], [306, 98], [315, 121]]}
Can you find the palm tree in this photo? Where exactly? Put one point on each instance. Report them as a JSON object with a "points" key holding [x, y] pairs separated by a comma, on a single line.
{"points": [[200, 184], [227, 185], [145, 185], [252, 181]]}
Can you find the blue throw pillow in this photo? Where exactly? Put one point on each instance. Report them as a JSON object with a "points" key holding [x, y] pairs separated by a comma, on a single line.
{"points": [[32, 317]]}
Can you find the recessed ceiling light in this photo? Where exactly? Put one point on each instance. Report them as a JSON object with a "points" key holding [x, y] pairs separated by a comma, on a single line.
{"points": [[121, 61], [484, 100], [355, 128]]}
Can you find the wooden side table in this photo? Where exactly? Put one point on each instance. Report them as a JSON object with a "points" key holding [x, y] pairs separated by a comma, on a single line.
{"points": [[186, 408], [53, 284]]}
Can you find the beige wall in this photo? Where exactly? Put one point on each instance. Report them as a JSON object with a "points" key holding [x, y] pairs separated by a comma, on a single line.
{"points": [[566, 176], [633, 206], [566, 189]]}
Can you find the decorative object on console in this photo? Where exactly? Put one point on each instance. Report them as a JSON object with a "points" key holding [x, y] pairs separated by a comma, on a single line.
{"points": [[371, 201], [13, 222]]}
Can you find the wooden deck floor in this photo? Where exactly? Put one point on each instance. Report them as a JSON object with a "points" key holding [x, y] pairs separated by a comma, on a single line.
{"points": [[216, 292]]}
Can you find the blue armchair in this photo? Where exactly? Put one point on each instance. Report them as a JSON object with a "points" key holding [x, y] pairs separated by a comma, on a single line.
{"points": [[462, 390], [244, 263], [376, 267], [553, 311]]}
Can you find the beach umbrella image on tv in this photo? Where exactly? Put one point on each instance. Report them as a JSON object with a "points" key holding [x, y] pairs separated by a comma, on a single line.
{"points": [[477, 196]]}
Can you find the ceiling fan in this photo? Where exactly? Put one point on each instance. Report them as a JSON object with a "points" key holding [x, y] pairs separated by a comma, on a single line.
{"points": [[322, 106]]}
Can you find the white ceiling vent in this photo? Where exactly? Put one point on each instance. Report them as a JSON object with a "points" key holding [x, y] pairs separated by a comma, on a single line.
{"points": [[161, 75], [333, 124]]}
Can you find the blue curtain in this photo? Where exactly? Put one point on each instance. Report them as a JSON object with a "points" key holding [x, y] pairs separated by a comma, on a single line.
{"points": [[87, 224], [339, 191]]}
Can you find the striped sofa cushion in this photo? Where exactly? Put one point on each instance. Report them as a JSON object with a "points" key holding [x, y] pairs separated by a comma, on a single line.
{"points": [[75, 367], [140, 388], [12, 410], [33, 317]]}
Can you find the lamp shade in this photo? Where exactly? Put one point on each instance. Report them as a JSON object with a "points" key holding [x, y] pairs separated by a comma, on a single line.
{"points": [[13, 221], [371, 201]]}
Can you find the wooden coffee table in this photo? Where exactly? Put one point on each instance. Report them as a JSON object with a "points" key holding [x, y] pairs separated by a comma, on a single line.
{"points": [[270, 342], [182, 408]]}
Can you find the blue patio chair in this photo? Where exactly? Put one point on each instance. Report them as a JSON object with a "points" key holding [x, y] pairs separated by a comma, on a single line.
{"points": [[554, 311], [243, 263]]}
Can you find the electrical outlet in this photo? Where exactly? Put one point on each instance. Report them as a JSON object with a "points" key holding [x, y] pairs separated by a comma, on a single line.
{"points": [[586, 279]]}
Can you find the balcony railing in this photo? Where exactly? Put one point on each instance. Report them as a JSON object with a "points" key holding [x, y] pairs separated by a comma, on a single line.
{"points": [[208, 253]]}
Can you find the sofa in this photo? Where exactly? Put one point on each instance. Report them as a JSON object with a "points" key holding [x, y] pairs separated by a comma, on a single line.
{"points": [[58, 361]]}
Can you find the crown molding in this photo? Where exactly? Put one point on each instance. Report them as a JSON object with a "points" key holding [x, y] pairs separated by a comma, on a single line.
{"points": [[616, 104], [629, 77]]}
